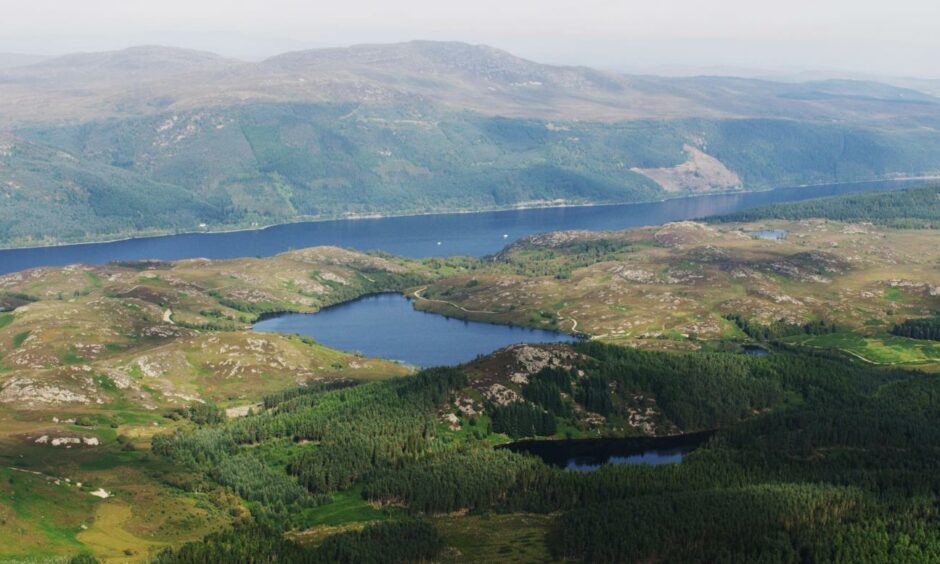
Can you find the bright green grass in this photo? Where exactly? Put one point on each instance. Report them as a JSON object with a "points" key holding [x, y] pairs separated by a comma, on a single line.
{"points": [[879, 349], [346, 507], [5, 319], [40, 519], [112, 459], [278, 453], [567, 430], [70, 357], [893, 294], [467, 432], [93, 279], [19, 338]]}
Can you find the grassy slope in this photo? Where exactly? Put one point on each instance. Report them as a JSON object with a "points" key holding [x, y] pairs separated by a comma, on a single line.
{"points": [[47, 515], [101, 333], [668, 287], [149, 335], [882, 349]]}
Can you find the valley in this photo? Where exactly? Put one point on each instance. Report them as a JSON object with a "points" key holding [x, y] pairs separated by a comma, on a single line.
{"points": [[152, 140], [137, 401], [421, 282]]}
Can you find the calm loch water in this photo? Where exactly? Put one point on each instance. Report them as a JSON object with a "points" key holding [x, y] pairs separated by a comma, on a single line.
{"points": [[474, 234], [388, 326], [588, 455]]}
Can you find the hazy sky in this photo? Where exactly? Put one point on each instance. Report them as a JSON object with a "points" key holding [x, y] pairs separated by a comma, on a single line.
{"points": [[896, 37]]}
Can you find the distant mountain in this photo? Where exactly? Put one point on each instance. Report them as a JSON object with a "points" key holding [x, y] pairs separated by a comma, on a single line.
{"points": [[455, 75], [135, 63], [114, 142], [12, 60], [85, 86], [474, 77]]}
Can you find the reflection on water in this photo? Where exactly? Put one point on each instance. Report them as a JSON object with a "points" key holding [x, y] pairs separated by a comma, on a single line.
{"points": [[649, 458], [588, 455]]}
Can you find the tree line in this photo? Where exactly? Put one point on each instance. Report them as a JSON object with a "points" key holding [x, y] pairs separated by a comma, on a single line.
{"points": [[927, 329]]}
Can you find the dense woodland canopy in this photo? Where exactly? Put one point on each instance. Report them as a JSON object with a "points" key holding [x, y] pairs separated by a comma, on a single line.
{"points": [[781, 328], [816, 459], [911, 208], [407, 540], [927, 329]]}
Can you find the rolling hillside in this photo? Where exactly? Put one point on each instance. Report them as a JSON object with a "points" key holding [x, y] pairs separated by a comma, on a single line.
{"points": [[178, 139]]}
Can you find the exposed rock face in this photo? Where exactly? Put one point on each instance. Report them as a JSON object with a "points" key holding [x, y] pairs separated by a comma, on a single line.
{"points": [[551, 240], [67, 442], [344, 257], [700, 172], [684, 233], [452, 421], [468, 407], [331, 277], [530, 360], [634, 274], [501, 395], [929, 289], [243, 410], [24, 390]]}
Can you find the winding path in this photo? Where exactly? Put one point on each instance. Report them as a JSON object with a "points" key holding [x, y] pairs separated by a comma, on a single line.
{"points": [[417, 295]]}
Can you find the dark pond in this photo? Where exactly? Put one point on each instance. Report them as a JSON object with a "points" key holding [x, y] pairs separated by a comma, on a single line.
{"points": [[770, 234], [388, 326], [473, 234], [587, 455], [755, 350]]}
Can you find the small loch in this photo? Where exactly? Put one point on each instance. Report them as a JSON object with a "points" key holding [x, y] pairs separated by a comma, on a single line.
{"points": [[388, 326], [588, 455]]}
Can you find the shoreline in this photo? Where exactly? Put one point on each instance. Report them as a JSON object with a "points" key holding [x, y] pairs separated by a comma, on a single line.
{"points": [[518, 207], [408, 294]]}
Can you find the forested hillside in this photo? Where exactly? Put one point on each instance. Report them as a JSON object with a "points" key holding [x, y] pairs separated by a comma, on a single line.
{"points": [[927, 329], [916, 208], [818, 477], [260, 164]]}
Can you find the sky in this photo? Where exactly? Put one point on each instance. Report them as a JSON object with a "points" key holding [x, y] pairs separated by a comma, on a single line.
{"points": [[888, 38]]}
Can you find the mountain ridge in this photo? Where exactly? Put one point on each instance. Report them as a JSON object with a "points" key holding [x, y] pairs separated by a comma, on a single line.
{"points": [[451, 74]]}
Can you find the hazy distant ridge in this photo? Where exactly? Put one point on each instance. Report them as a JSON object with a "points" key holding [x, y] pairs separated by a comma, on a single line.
{"points": [[457, 75]]}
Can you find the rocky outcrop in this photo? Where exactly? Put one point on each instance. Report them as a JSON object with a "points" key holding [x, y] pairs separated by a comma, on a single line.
{"points": [[24, 390]]}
